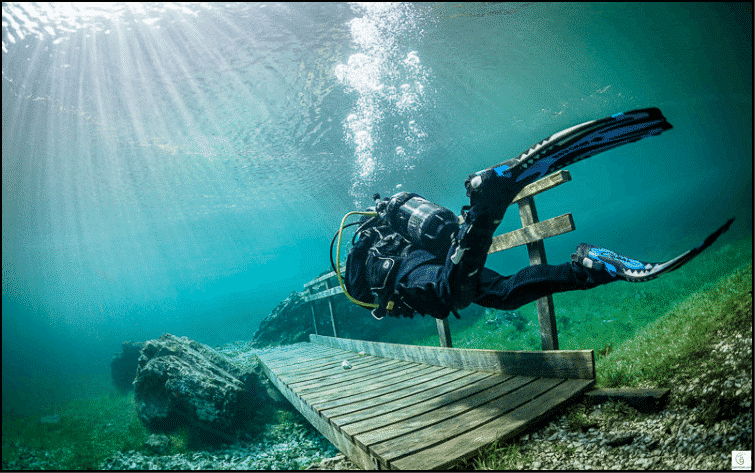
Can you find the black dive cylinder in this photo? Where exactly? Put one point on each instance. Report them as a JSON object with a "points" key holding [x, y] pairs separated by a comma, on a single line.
{"points": [[422, 222]]}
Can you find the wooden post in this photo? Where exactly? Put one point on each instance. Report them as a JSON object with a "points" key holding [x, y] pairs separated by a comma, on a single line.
{"points": [[330, 306], [536, 250], [314, 320], [444, 332]]}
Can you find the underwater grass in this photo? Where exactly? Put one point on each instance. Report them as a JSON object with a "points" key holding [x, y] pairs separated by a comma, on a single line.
{"points": [[88, 432], [683, 336]]}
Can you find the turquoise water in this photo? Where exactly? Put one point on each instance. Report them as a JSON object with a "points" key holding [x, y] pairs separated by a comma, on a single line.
{"points": [[173, 168]]}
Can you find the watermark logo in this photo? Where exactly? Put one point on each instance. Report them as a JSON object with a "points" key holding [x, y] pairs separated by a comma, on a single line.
{"points": [[741, 460]]}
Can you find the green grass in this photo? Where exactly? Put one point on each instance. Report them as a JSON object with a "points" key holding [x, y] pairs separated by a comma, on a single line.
{"points": [[89, 431], [683, 336]]}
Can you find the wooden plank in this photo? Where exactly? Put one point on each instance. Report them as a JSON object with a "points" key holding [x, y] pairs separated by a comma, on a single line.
{"points": [[291, 353], [313, 372], [414, 401], [324, 361], [314, 318], [444, 332], [342, 376], [309, 372], [332, 318], [545, 313], [309, 353], [329, 275], [426, 436], [368, 397], [362, 409], [321, 295], [314, 382], [578, 364], [346, 394], [532, 233], [296, 363], [383, 417], [445, 454], [359, 456], [388, 421], [542, 185]]}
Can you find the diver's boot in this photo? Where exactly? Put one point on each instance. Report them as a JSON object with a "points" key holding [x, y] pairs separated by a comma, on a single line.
{"points": [[489, 198], [490, 193], [616, 265]]}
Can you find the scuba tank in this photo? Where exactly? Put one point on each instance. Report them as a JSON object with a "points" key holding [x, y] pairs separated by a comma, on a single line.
{"points": [[420, 221], [406, 217]]}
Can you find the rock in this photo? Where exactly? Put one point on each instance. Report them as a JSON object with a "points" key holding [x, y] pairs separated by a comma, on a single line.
{"points": [[290, 322], [157, 443], [338, 462], [501, 318], [123, 365], [182, 382], [621, 439]]}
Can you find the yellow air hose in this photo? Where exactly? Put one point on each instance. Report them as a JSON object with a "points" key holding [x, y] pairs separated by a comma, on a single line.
{"points": [[338, 259]]}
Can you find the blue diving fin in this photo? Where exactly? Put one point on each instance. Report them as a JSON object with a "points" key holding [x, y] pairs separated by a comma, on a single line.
{"points": [[575, 144], [632, 270]]}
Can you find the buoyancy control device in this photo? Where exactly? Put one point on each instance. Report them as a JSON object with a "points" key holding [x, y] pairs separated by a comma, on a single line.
{"points": [[421, 222]]}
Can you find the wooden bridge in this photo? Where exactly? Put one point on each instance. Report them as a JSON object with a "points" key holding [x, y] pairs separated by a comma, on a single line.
{"points": [[389, 406]]}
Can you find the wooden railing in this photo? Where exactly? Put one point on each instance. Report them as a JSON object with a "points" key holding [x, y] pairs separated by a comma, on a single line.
{"points": [[532, 234]]}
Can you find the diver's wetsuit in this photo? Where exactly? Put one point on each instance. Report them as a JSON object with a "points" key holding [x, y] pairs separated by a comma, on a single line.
{"points": [[429, 284], [416, 280]]}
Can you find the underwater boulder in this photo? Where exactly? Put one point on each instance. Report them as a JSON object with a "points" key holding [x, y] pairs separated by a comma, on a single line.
{"points": [[123, 365], [157, 443], [183, 382], [290, 322]]}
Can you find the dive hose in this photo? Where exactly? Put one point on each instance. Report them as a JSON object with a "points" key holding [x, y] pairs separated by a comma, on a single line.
{"points": [[338, 259]]}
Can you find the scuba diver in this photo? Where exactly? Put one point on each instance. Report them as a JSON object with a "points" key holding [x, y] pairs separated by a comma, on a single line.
{"points": [[411, 256]]}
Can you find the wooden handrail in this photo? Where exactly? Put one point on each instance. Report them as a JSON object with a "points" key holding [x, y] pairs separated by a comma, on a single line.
{"points": [[573, 364]]}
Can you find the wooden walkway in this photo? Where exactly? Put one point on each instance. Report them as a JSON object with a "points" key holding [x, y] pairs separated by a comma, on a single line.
{"points": [[388, 406]]}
